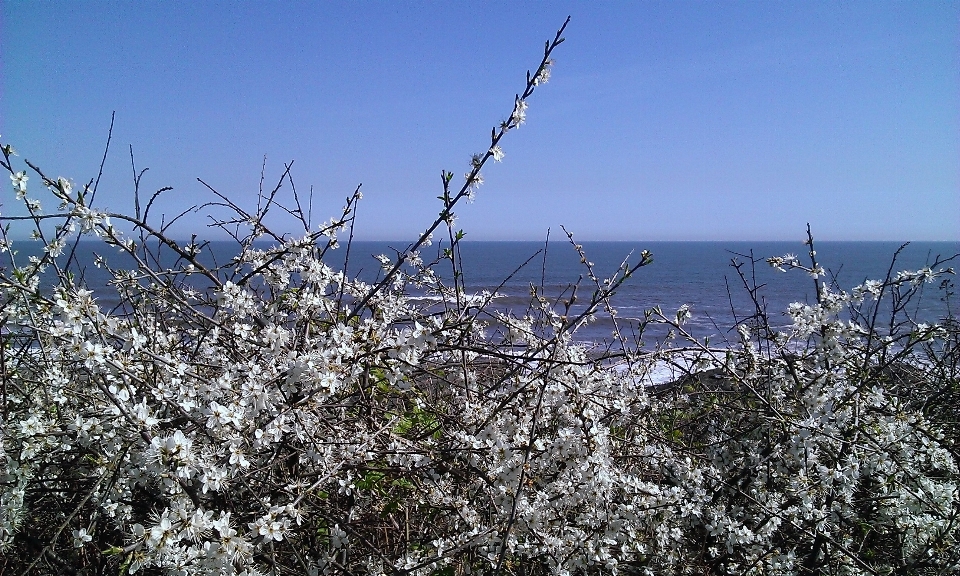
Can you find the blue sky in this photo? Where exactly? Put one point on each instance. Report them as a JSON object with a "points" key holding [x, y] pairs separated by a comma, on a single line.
{"points": [[662, 121]]}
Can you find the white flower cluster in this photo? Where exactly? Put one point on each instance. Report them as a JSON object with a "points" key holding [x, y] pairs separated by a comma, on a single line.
{"points": [[256, 423]]}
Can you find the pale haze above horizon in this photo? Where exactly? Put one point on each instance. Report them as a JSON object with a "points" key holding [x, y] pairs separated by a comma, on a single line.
{"points": [[661, 120]]}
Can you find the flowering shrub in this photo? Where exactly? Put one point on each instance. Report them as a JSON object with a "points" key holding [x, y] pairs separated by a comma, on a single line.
{"points": [[274, 415]]}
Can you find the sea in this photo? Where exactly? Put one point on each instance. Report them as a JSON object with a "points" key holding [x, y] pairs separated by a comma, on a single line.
{"points": [[703, 276]]}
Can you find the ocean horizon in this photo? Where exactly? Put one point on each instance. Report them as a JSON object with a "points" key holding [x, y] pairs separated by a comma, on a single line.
{"points": [[697, 274]]}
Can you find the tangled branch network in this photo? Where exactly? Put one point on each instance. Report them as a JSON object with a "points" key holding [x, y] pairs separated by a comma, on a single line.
{"points": [[272, 415]]}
